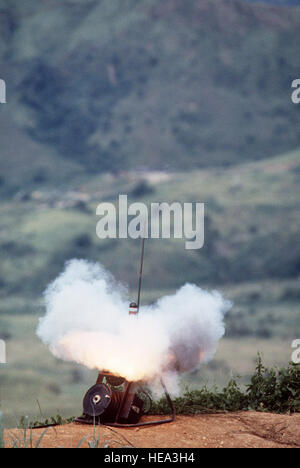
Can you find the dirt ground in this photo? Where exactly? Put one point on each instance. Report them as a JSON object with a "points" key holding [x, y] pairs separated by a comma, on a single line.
{"points": [[240, 430]]}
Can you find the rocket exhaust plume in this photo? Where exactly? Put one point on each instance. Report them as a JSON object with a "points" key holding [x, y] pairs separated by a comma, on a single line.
{"points": [[87, 322]]}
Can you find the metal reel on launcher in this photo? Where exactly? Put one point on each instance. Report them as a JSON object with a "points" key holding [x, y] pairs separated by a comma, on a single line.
{"points": [[109, 403]]}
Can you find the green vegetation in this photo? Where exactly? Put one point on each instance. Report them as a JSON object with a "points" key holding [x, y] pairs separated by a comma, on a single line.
{"points": [[164, 101], [58, 420], [270, 390]]}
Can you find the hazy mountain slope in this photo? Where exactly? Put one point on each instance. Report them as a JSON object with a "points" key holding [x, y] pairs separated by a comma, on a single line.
{"points": [[277, 2], [27, 164], [252, 213], [173, 84]]}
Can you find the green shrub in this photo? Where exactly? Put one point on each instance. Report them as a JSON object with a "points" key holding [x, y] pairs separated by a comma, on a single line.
{"points": [[270, 390], [275, 390]]}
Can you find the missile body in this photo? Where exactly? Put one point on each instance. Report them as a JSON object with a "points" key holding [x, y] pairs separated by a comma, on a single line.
{"points": [[133, 308]]}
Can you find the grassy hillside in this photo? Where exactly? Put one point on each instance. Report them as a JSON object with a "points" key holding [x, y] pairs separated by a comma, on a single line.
{"points": [[252, 226], [149, 84]]}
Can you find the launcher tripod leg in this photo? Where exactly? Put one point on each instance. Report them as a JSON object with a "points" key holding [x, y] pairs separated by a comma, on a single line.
{"points": [[151, 423]]}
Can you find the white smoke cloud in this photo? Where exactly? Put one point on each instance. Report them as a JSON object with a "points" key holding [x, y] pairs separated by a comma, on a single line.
{"points": [[87, 322]]}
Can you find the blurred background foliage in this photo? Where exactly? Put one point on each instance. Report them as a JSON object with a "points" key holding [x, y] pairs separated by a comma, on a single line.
{"points": [[168, 100]]}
